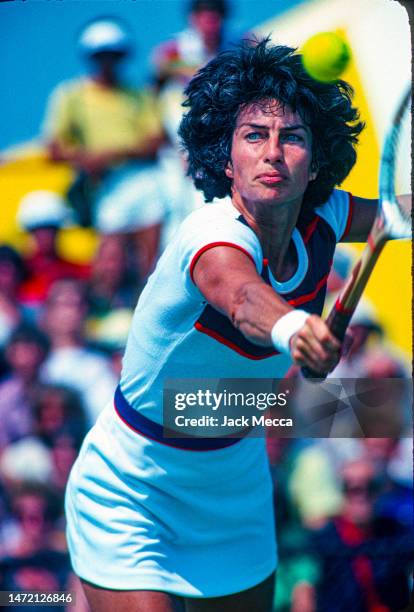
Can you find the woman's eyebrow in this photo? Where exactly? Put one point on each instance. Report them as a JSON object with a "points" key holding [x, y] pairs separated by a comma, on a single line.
{"points": [[297, 126], [254, 125]]}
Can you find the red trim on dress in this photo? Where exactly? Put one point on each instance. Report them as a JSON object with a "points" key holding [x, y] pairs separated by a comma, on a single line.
{"points": [[309, 296], [211, 245], [222, 340], [309, 230], [350, 216]]}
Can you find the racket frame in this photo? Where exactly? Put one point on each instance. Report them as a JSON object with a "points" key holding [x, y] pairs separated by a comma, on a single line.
{"points": [[385, 226]]}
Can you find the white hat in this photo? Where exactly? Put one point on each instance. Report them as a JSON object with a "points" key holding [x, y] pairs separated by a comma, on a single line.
{"points": [[104, 35], [27, 459], [41, 209]]}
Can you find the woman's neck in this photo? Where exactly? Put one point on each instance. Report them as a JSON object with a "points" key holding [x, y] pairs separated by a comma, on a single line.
{"points": [[274, 226]]}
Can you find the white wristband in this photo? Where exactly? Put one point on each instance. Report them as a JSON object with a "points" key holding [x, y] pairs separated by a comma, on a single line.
{"points": [[285, 327]]}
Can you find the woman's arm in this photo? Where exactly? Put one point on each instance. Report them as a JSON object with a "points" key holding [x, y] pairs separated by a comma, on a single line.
{"points": [[363, 214], [229, 281], [96, 163]]}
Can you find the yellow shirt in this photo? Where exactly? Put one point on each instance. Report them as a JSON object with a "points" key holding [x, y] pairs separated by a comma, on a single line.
{"points": [[87, 115]]}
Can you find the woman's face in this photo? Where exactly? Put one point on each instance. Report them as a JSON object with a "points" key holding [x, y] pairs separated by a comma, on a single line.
{"points": [[271, 156]]}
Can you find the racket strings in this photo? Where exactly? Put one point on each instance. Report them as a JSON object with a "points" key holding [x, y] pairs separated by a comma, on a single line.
{"points": [[395, 177]]}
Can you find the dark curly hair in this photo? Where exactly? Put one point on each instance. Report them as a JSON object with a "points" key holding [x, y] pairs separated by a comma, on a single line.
{"points": [[258, 71]]}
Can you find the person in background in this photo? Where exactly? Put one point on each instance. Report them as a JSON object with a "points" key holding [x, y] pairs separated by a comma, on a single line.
{"points": [[60, 423], [26, 350], [112, 293], [34, 562], [58, 410], [43, 213], [110, 133], [364, 559], [12, 272], [371, 360], [71, 362], [298, 569], [392, 463], [174, 62], [112, 285]]}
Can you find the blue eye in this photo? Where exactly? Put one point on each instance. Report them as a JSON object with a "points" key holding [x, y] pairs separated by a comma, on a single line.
{"points": [[292, 137], [253, 136]]}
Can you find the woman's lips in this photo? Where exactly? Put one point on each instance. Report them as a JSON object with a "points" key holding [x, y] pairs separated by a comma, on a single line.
{"points": [[271, 179]]}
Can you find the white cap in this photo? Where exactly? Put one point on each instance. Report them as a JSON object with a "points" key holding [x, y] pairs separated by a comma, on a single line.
{"points": [[41, 209], [27, 459], [104, 35]]}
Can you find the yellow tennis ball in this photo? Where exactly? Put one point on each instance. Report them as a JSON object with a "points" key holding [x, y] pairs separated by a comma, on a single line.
{"points": [[325, 56]]}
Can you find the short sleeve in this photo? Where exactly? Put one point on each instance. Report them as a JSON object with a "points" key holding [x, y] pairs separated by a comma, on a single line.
{"points": [[206, 229], [58, 120], [337, 212], [148, 115]]}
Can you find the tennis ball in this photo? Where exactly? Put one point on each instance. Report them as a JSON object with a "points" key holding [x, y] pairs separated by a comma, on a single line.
{"points": [[325, 56]]}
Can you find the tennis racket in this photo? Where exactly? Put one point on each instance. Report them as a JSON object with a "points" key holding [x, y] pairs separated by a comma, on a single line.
{"points": [[393, 220]]}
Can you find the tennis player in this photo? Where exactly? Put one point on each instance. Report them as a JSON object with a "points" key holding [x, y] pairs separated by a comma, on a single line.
{"points": [[158, 524]]}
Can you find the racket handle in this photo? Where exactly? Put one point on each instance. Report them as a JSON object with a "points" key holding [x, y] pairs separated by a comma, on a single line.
{"points": [[337, 322], [315, 376]]}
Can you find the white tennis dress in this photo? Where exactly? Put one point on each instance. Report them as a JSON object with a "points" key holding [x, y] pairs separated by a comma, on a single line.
{"points": [[143, 514]]}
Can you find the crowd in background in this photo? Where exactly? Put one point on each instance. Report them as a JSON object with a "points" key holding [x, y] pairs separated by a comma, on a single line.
{"points": [[343, 506]]}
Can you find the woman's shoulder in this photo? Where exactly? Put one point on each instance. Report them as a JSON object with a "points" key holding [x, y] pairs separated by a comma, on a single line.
{"points": [[219, 213]]}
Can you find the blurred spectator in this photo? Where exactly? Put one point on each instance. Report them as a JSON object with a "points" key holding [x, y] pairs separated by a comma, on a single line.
{"points": [[297, 570], [367, 340], [180, 57], [112, 284], [364, 560], [28, 459], [58, 411], [112, 294], [392, 462], [42, 214], [60, 423], [110, 133], [377, 405], [64, 450], [313, 485], [26, 351], [33, 562], [12, 272], [176, 60], [71, 362], [35, 509], [110, 333]]}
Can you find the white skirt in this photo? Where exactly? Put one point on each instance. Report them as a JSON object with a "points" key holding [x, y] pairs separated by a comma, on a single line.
{"points": [[144, 516]]}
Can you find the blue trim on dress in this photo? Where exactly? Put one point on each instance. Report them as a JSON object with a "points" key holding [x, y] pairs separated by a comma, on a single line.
{"points": [[149, 429]]}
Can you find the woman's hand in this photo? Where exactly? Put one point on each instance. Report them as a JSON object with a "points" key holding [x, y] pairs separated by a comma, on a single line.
{"points": [[315, 347]]}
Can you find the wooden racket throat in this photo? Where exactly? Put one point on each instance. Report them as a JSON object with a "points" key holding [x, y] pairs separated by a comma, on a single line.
{"points": [[345, 305], [341, 313], [392, 221]]}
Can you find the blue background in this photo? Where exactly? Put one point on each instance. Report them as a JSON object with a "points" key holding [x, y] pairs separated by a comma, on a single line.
{"points": [[38, 47]]}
